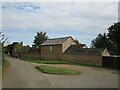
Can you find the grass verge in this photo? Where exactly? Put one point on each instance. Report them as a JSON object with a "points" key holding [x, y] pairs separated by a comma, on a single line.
{"points": [[43, 61], [57, 70], [64, 62], [5, 65]]}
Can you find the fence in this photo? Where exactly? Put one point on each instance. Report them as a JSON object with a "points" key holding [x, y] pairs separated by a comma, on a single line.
{"points": [[111, 61]]}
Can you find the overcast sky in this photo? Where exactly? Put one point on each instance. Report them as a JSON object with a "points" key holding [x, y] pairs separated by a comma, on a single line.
{"points": [[81, 20]]}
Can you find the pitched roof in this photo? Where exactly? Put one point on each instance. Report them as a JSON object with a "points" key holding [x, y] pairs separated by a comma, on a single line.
{"points": [[55, 41], [77, 49]]}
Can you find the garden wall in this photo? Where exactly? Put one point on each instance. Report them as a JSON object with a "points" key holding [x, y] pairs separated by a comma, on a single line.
{"points": [[55, 54], [30, 55], [83, 59]]}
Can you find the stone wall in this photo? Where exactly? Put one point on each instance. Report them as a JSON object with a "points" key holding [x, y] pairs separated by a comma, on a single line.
{"points": [[83, 59], [67, 43], [55, 54], [30, 55]]}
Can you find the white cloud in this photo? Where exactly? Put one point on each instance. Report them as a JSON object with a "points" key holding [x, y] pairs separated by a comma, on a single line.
{"points": [[84, 17]]}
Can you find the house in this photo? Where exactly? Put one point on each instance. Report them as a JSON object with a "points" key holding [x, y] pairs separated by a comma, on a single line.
{"points": [[67, 50], [14, 50], [52, 49]]}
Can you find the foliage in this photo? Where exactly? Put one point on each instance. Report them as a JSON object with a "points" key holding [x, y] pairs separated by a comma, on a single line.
{"points": [[3, 39], [102, 41], [3, 42], [109, 40], [10, 47], [22, 49], [114, 35], [77, 42], [40, 38], [57, 70]]}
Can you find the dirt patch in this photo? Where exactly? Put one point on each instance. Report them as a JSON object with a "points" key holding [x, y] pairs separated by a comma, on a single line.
{"points": [[5, 69]]}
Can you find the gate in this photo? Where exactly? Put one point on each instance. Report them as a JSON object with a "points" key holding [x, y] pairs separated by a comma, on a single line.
{"points": [[111, 61]]}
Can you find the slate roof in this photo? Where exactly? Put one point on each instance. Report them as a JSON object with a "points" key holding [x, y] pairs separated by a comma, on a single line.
{"points": [[55, 41], [34, 50], [77, 49]]}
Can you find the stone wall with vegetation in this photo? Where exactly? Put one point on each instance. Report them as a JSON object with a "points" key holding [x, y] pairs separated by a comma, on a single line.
{"points": [[31, 55]]}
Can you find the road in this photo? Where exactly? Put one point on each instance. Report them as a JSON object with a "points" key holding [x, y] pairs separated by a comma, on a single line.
{"points": [[23, 75]]}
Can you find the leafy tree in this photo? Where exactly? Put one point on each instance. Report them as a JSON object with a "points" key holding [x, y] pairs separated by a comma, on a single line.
{"points": [[3, 39], [3, 42], [40, 38], [102, 41], [22, 49], [77, 42], [10, 47], [114, 35]]}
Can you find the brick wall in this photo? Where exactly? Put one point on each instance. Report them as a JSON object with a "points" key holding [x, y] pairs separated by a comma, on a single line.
{"points": [[83, 59], [55, 54]]}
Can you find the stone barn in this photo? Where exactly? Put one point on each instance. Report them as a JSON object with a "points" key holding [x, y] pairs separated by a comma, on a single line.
{"points": [[53, 49], [66, 49]]}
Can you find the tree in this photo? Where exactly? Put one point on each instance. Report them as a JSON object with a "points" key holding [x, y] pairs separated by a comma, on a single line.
{"points": [[3, 39], [3, 42], [22, 49], [40, 38], [102, 41], [114, 35], [77, 42]]}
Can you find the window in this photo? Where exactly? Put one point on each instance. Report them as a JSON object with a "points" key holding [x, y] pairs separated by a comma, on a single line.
{"points": [[50, 48]]}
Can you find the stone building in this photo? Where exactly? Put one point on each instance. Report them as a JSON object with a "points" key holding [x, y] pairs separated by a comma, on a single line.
{"points": [[66, 49], [53, 49]]}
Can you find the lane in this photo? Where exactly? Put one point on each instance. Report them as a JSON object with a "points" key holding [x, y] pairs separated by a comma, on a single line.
{"points": [[23, 75]]}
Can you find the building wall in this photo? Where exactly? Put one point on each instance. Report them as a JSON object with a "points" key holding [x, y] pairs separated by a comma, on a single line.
{"points": [[105, 53], [84, 46], [55, 54], [67, 43], [83, 59]]}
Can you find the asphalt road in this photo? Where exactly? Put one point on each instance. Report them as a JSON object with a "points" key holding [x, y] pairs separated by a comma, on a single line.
{"points": [[23, 75]]}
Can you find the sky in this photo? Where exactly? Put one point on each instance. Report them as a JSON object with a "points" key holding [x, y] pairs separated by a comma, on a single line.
{"points": [[81, 20]]}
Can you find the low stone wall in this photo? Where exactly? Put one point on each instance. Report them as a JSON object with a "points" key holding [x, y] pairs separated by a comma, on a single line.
{"points": [[30, 55], [83, 59]]}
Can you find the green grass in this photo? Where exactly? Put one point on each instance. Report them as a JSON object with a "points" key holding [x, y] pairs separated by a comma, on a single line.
{"points": [[64, 62], [57, 70], [43, 61], [5, 64]]}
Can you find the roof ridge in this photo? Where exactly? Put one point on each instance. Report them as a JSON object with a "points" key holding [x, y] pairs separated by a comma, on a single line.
{"points": [[60, 38]]}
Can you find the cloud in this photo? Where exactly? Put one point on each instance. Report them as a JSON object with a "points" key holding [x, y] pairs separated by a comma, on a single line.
{"points": [[60, 18]]}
